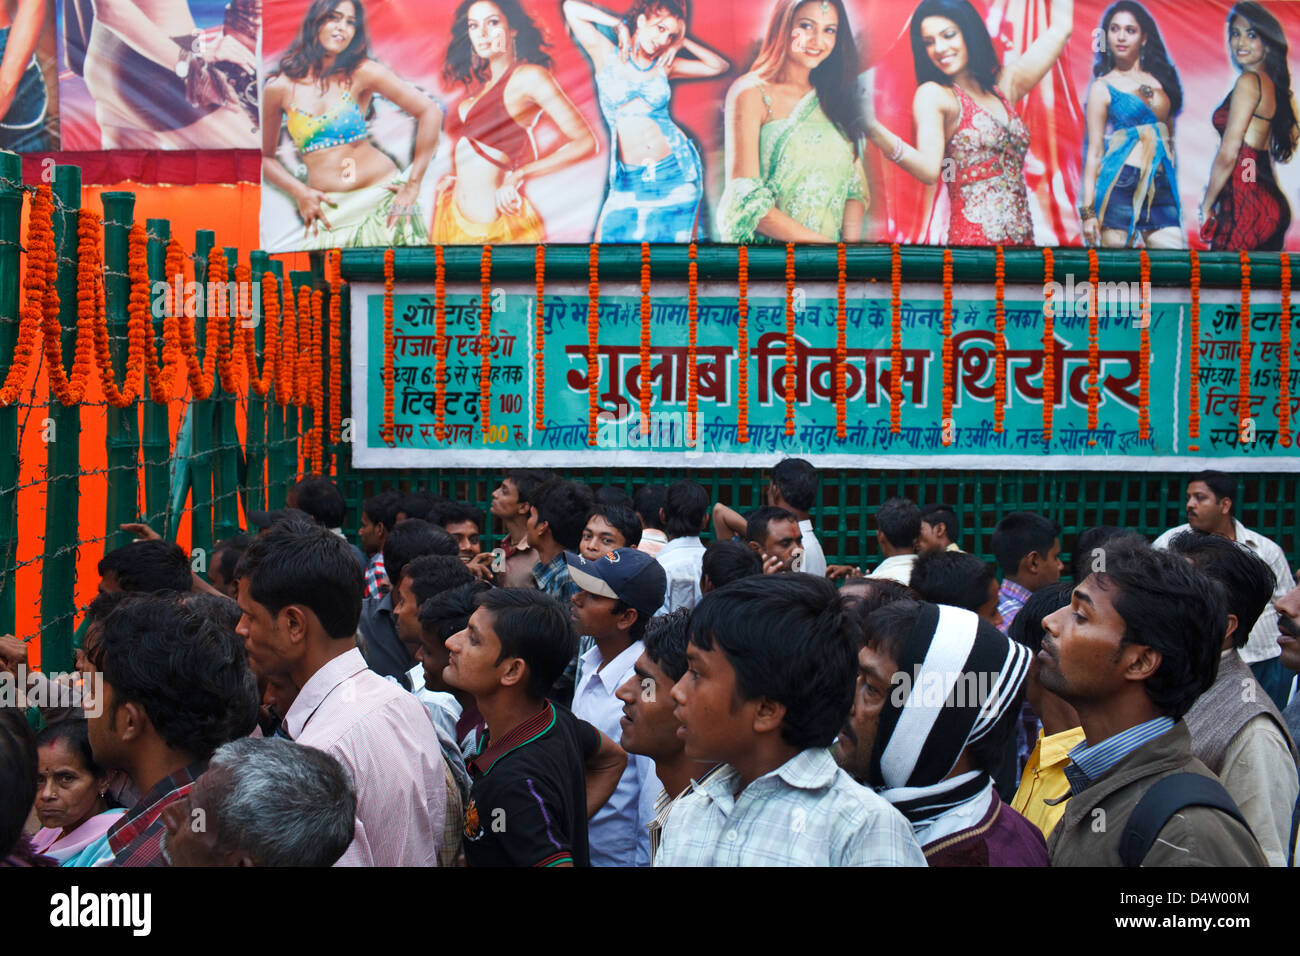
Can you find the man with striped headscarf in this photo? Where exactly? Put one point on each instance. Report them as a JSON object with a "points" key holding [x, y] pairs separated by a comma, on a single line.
{"points": [[937, 697]]}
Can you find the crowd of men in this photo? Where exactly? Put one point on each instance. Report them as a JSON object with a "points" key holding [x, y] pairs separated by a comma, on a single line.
{"points": [[603, 688]]}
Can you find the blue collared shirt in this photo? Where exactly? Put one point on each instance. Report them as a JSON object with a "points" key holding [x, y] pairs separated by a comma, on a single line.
{"points": [[1089, 763]]}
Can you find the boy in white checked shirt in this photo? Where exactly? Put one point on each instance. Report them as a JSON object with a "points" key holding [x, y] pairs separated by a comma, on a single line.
{"points": [[770, 678]]}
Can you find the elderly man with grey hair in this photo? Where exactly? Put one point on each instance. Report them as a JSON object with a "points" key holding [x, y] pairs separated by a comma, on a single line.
{"points": [[263, 803]]}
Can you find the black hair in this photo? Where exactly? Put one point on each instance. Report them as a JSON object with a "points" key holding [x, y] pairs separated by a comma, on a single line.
{"points": [[899, 520], [227, 552], [1170, 606], [464, 66], [666, 638], [306, 55], [18, 767], [685, 506], [527, 482], [1019, 534], [188, 672], [614, 495], [729, 560], [1283, 131], [789, 638], [298, 563], [564, 506], [865, 596], [221, 610], [150, 565], [420, 503], [448, 612], [1247, 580], [758, 521], [647, 502], [103, 604], [982, 61], [1221, 486], [952, 577], [458, 512], [1088, 541], [797, 481], [383, 507], [637, 631], [411, 539], [532, 625], [888, 628], [321, 499], [622, 518], [1027, 626], [432, 574], [74, 733], [942, 514], [1153, 57]]}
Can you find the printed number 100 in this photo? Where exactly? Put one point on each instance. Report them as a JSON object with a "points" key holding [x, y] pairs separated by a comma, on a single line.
{"points": [[496, 433]]}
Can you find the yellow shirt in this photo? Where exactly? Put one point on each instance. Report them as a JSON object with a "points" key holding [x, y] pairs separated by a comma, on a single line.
{"points": [[1044, 779]]}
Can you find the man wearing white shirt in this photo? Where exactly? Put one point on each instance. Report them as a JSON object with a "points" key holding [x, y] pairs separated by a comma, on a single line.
{"points": [[685, 513], [1210, 500], [898, 525], [794, 488], [618, 593]]}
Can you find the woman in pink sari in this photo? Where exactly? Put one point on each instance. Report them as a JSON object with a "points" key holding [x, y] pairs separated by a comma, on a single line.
{"points": [[71, 797]]}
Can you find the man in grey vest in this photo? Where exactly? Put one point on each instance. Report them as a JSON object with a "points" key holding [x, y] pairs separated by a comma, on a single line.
{"points": [[1236, 730]]}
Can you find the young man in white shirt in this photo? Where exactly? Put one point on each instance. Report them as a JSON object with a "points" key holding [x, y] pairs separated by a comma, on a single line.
{"points": [[685, 515], [898, 526], [1211, 501], [618, 593]]}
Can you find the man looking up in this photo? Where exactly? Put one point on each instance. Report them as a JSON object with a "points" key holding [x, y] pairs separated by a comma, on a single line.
{"points": [[769, 681], [510, 505], [539, 772], [1236, 730], [1135, 648], [1211, 509], [1028, 550], [794, 488], [940, 529], [300, 592], [619, 592]]}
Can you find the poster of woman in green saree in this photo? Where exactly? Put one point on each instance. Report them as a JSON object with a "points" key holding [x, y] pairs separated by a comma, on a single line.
{"points": [[794, 134]]}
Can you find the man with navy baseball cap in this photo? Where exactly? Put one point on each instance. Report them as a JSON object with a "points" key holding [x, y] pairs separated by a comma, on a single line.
{"points": [[617, 595]]}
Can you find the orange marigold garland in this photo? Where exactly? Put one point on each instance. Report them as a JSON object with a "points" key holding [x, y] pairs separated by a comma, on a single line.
{"points": [[645, 339], [485, 337], [40, 246], [1049, 345], [947, 431], [1093, 357], [317, 383], [692, 341], [1284, 356], [220, 313], [387, 431], [539, 366], [895, 339], [335, 260], [440, 342], [68, 389], [1194, 330], [841, 343], [593, 334], [742, 346], [999, 340], [302, 354], [788, 378], [1144, 360], [138, 312], [1243, 401], [133, 378], [260, 384]]}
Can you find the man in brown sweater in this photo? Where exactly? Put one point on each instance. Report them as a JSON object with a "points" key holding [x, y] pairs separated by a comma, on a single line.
{"points": [[1137, 645]]}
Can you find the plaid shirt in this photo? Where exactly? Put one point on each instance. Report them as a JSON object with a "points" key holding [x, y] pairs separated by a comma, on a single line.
{"points": [[807, 812], [377, 583], [553, 578], [1011, 598], [136, 839]]}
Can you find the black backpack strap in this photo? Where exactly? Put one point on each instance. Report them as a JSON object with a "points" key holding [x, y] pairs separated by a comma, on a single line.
{"points": [[1162, 801]]}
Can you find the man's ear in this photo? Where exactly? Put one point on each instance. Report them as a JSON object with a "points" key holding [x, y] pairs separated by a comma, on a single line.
{"points": [[940, 529], [295, 623], [754, 546], [1233, 624], [131, 721], [628, 619], [663, 519], [516, 672], [1143, 661], [769, 716]]}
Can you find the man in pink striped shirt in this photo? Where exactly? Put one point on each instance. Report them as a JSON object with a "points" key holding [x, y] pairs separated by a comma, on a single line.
{"points": [[300, 591]]}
